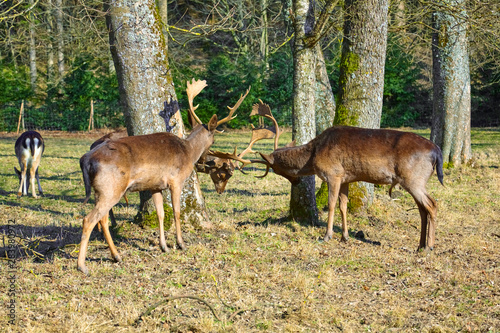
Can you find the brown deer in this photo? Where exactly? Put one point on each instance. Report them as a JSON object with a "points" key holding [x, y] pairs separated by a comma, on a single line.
{"points": [[29, 148], [151, 162], [342, 155]]}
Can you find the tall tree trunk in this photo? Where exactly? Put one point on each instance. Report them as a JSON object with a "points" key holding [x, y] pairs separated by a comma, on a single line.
{"points": [[60, 39], [302, 199], [324, 99], [452, 101], [141, 62], [264, 42], [50, 46], [32, 48], [361, 81], [163, 11]]}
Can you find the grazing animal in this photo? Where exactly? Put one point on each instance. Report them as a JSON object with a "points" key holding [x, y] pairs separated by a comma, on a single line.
{"points": [[29, 148], [153, 162], [342, 155]]}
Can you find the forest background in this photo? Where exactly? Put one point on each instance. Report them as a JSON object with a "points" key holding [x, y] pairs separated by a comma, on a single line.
{"points": [[55, 61]]}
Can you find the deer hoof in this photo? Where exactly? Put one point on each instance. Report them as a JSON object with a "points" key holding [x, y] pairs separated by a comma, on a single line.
{"points": [[163, 247], [19, 195], [182, 246], [84, 270], [344, 239], [327, 238], [117, 258]]}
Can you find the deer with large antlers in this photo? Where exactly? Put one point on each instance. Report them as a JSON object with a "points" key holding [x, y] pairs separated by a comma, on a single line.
{"points": [[151, 162], [29, 148], [342, 155]]}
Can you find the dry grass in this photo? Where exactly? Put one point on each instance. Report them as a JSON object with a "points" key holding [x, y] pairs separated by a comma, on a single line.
{"points": [[255, 269]]}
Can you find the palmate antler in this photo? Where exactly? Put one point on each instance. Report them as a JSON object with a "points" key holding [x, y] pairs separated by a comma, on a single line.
{"points": [[194, 88], [262, 110]]}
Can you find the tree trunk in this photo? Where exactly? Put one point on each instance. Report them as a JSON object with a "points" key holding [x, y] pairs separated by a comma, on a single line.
{"points": [[163, 11], [60, 39], [32, 48], [140, 56], [324, 99], [302, 199], [50, 46], [361, 81], [452, 101]]}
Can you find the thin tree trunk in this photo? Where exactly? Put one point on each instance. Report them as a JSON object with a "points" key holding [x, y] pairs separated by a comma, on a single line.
{"points": [[32, 48], [60, 39], [324, 99], [50, 46], [163, 11], [145, 82], [452, 101]]}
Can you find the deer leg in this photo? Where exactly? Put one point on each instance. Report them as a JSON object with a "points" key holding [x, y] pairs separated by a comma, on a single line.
{"points": [[343, 199], [38, 181], [109, 240], [333, 193], [158, 201], [89, 223], [427, 208], [176, 207], [32, 178], [22, 187]]}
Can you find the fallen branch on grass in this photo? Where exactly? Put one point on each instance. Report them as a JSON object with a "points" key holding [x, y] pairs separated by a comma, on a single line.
{"points": [[168, 299]]}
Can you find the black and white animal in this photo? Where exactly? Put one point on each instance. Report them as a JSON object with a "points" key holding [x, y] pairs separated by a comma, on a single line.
{"points": [[29, 149]]}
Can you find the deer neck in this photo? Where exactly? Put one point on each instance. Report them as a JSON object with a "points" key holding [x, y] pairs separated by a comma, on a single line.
{"points": [[294, 161], [199, 141]]}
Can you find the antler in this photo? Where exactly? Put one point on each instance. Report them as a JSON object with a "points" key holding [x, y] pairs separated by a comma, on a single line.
{"points": [[264, 110], [258, 134], [193, 89], [232, 109], [234, 156]]}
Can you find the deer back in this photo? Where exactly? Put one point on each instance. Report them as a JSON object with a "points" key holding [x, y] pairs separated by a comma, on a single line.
{"points": [[374, 155]]}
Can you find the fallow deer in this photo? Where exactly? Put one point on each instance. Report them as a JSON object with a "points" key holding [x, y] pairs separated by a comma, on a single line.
{"points": [[342, 155], [29, 148], [151, 162]]}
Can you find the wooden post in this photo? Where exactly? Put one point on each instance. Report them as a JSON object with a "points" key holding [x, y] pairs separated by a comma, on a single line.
{"points": [[91, 119], [21, 113]]}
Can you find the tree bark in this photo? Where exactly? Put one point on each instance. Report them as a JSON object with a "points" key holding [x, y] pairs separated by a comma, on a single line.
{"points": [[60, 39], [361, 81], [50, 46], [324, 99], [302, 199], [32, 48], [452, 101], [139, 52]]}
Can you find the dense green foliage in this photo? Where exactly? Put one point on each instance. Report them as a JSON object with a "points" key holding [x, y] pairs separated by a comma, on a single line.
{"points": [[65, 106], [400, 87], [229, 77]]}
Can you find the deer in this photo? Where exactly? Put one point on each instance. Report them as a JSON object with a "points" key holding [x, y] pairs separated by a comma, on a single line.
{"points": [[342, 154], [153, 162], [29, 148]]}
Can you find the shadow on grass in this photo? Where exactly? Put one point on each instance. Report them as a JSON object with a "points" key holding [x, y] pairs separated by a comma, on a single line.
{"points": [[41, 243], [291, 224]]}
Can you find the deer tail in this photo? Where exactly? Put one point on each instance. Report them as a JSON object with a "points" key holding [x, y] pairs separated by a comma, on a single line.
{"points": [[439, 164], [85, 166]]}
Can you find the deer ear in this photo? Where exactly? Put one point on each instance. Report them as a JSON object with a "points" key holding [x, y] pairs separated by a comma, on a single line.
{"points": [[268, 158], [212, 124]]}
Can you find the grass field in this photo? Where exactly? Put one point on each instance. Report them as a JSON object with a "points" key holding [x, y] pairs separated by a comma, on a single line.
{"points": [[255, 270]]}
